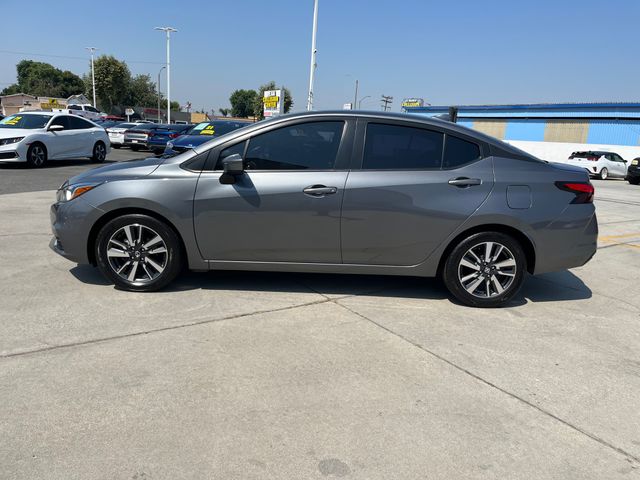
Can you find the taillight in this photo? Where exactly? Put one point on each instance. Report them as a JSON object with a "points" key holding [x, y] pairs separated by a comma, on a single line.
{"points": [[583, 191], [174, 135], [593, 159], [150, 134]]}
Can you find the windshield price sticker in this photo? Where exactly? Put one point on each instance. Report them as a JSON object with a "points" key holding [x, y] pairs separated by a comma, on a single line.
{"points": [[208, 130], [11, 121]]}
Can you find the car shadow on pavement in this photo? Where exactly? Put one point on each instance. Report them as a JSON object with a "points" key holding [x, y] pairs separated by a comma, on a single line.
{"points": [[552, 287]]}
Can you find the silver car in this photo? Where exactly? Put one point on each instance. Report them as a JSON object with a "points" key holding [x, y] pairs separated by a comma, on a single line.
{"points": [[334, 192]]}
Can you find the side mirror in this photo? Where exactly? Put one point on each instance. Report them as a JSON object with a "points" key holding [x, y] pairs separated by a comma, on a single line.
{"points": [[55, 128], [233, 166]]}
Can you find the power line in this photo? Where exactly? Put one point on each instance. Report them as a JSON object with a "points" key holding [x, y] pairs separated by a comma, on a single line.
{"points": [[386, 102], [72, 58]]}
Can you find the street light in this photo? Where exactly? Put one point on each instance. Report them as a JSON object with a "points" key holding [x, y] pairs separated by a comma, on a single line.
{"points": [[93, 77], [313, 55], [168, 31], [360, 102], [159, 109]]}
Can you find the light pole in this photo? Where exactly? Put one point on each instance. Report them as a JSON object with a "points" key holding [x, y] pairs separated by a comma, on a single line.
{"points": [[93, 76], [168, 31], [313, 55], [355, 98], [360, 102], [159, 109]]}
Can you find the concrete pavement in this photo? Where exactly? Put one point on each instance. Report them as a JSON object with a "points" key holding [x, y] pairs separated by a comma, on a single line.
{"points": [[244, 375]]}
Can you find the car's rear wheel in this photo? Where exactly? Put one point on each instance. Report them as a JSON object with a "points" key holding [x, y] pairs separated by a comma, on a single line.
{"points": [[99, 153], [115, 145], [634, 180], [138, 253], [37, 155], [485, 270], [604, 173]]}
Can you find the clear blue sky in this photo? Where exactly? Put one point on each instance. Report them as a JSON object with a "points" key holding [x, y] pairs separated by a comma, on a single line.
{"points": [[448, 52]]}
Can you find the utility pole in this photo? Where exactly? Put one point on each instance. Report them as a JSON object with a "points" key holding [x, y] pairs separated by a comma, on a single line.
{"points": [[386, 102], [313, 56], [93, 76], [159, 108], [168, 31]]}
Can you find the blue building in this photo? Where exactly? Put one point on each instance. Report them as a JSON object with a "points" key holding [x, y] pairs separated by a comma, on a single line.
{"points": [[596, 123]]}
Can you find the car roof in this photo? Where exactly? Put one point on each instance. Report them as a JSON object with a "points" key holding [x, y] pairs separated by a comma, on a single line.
{"points": [[37, 112]]}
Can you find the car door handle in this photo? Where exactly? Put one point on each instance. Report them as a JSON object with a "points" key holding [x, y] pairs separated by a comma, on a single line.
{"points": [[464, 182], [319, 190]]}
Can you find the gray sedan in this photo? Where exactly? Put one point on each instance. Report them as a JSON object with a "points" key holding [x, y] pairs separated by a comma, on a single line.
{"points": [[334, 192]]}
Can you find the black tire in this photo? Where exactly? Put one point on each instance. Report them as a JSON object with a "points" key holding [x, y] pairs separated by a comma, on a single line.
{"points": [[484, 295], [135, 148], [37, 155], [99, 153], [604, 174], [115, 145], [634, 180], [146, 276]]}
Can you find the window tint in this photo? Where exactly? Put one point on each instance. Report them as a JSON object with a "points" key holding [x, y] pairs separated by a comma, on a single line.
{"points": [[458, 152], [61, 120], [227, 152], [312, 146], [77, 123], [75, 107], [91, 109], [392, 147]]}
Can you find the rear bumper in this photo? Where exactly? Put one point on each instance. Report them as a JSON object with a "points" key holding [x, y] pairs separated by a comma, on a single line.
{"points": [[569, 242]]}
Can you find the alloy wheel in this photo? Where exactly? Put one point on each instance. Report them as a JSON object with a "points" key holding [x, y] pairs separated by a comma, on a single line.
{"points": [[487, 269], [137, 253], [37, 155], [100, 152]]}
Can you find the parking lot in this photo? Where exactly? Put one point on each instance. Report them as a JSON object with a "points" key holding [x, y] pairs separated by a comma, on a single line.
{"points": [[260, 375]]}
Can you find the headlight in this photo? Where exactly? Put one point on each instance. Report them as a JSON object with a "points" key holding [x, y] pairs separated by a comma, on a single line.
{"points": [[169, 144], [9, 141], [68, 192]]}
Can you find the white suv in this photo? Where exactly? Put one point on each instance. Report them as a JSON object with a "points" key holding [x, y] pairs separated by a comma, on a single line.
{"points": [[86, 111], [600, 164]]}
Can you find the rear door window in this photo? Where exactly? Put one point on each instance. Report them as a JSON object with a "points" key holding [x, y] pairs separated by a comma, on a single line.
{"points": [[77, 123], [458, 152], [395, 147]]}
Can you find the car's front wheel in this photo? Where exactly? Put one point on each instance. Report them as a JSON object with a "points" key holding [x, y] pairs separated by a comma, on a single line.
{"points": [[138, 253], [37, 155], [485, 270], [99, 153]]}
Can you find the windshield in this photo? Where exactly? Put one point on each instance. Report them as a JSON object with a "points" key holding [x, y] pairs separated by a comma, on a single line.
{"points": [[24, 121], [215, 128]]}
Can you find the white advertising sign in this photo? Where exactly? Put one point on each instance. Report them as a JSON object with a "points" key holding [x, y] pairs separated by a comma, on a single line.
{"points": [[273, 102]]}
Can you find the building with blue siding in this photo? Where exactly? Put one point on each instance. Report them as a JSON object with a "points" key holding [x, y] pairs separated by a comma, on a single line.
{"points": [[578, 123]]}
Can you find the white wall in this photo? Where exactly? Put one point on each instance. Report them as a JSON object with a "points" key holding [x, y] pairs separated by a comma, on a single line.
{"points": [[559, 152]]}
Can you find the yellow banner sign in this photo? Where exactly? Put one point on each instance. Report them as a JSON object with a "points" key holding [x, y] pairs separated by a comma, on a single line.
{"points": [[270, 102]]}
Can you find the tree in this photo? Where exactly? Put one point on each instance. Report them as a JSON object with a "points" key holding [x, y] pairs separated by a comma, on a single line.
{"points": [[113, 80], [142, 92], [224, 111], [258, 109], [242, 102], [43, 79]]}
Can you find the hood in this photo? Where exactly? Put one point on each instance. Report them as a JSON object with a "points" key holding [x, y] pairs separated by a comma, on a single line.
{"points": [[119, 171], [18, 132]]}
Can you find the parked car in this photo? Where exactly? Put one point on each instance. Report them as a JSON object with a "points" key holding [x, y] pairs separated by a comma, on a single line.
{"points": [[86, 111], [108, 123], [136, 137], [37, 137], [157, 139], [600, 164], [201, 133], [335, 192], [633, 172], [116, 133]]}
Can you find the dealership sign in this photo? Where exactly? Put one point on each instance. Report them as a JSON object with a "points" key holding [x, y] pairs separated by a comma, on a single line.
{"points": [[273, 102], [413, 102]]}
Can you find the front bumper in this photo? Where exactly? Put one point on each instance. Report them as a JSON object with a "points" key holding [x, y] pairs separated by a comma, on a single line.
{"points": [[71, 224], [15, 152], [633, 172]]}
